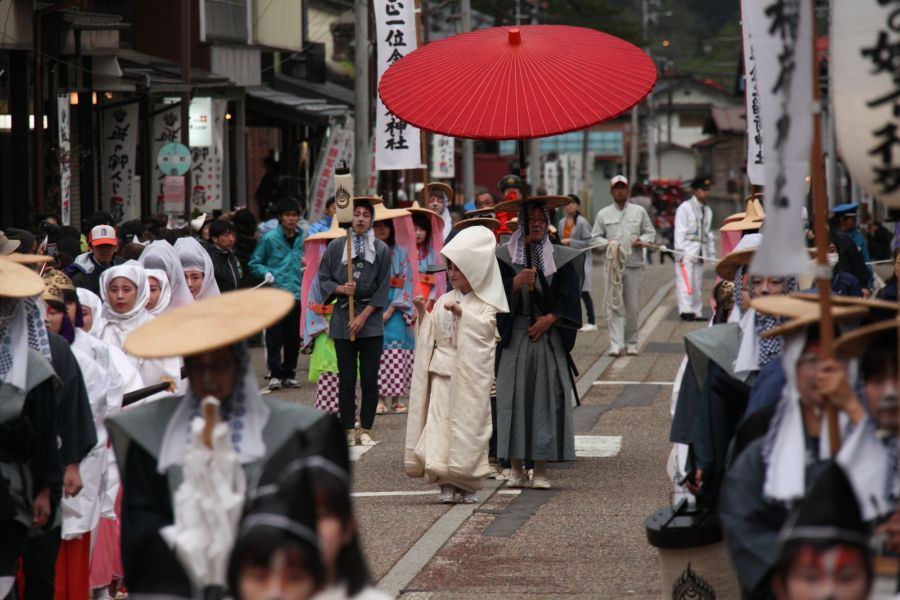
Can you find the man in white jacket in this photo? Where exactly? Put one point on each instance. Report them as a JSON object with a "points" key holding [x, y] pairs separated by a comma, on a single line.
{"points": [[695, 245]]}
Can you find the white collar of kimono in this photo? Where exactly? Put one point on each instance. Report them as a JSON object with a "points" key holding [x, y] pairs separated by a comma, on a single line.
{"points": [[364, 243], [194, 258], [247, 418], [517, 249], [473, 250], [161, 255], [747, 361], [135, 273], [165, 291], [21, 327]]}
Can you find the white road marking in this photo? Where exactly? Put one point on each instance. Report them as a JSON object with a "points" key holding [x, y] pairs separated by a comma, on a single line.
{"points": [[397, 493], [633, 383], [509, 492], [597, 446], [356, 452]]}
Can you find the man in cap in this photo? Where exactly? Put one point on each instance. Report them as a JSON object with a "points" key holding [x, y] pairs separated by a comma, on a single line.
{"points": [[152, 440], [87, 268], [621, 230], [695, 243], [30, 457], [845, 223]]}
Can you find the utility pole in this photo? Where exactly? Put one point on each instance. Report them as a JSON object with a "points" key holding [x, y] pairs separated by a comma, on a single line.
{"points": [[468, 146], [652, 165], [186, 97], [361, 157]]}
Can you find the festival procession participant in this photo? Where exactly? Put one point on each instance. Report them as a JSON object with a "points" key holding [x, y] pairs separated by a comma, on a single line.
{"points": [[30, 456], [534, 384], [694, 243], [323, 366], [152, 441], [324, 224], [358, 341], [575, 232], [86, 270], [80, 511], [394, 227], [446, 432], [437, 199], [621, 230], [125, 292], [744, 223], [775, 470], [198, 268], [279, 255], [161, 255], [160, 292], [824, 548], [427, 225], [844, 216]]}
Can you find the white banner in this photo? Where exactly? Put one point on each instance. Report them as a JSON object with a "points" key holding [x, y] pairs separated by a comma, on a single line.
{"points": [[442, 157], [786, 45], [398, 144], [63, 156], [120, 133], [576, 174], [865, 38], [207, 174], [166, 128], [338, 147], [753, 26], [201, 120]]}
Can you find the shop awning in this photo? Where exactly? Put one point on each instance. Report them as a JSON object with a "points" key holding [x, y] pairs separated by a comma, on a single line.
{"points": [[302, 107]]}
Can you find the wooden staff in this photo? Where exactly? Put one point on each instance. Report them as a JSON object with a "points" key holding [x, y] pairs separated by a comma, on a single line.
{"points": [[350, 278], [817, 181]]}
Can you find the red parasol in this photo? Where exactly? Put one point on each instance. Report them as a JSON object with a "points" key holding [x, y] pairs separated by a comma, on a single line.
{"points": [[522, 82]]}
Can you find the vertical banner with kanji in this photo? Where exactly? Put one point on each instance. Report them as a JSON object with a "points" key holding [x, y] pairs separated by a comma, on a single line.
{"points": [[442, 157], [166, 128], [551, 177], [338, 147], [120, 133], [398, 144], [65, 165], [865, 55], [753, 26], [784, 46], [208, 161]]}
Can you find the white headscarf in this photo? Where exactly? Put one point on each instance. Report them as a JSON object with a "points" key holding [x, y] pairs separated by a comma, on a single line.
{"points": [[473, 250], [165, 291], [161, 255], [194, 258], [116, 326], [88, 298], [21, 327]]}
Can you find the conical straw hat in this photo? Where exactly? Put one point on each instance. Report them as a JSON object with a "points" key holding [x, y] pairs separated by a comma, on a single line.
{"points": [[210, 324], [800, 312], [753, 218], [17, 281]]}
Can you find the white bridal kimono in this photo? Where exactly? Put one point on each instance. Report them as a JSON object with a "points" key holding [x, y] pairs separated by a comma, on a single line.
{"points": [[449, 422]]}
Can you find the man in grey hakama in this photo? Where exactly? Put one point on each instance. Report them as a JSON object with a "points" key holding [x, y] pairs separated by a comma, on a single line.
{"points": [[534, 383]]}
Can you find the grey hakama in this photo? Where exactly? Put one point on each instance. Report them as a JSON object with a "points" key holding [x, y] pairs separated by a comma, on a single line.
{"points": [[534, 387]]}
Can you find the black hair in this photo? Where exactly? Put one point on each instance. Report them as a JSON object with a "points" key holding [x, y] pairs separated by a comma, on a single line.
{"points": [[332, 497], [130, 251], [892, 280], [69, 249], [101, 217], [286, 205], [329, 202], [792, 549], [219, 227], [365, 204], [392, 236], [577, 201], [245, 222], [423, 222], [256, 547], [880, 357], [129, 229]]}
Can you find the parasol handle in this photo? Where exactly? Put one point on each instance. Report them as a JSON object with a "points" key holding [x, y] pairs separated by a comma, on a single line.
{"points": [[349, 279], [210, 409]]}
